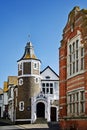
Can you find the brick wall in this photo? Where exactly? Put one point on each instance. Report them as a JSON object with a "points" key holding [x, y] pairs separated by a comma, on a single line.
{"points": [[77, 18]]}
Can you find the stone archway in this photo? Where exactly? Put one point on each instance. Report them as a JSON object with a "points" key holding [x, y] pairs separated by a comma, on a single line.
{"points": [[40, 110]]}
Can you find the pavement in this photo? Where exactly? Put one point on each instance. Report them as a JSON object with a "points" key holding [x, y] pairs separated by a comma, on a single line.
{"points": [[50, 125], [6, 121], [29, 126]]}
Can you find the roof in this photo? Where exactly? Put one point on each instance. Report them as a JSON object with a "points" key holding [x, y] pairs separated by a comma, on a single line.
{"points": [[1, 91], [29, 52], [49, 74], [12, 80], [5, 88], [51, 70]]}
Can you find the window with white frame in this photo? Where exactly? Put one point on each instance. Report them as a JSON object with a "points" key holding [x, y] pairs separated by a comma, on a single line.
{"points": [[36, 80], [21, 106], [19, 66], [9, 92], [75, 57], [0, 97], [47, 88], [20, 81], [76, 102], [35, 65], [82, 58]]}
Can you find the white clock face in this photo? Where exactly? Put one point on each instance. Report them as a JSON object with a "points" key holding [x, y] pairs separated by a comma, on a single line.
{"points": [[21, 81]]}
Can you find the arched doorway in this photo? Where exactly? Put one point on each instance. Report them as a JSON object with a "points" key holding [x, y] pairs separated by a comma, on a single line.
{"points": [[41, 110], [53, 113]]}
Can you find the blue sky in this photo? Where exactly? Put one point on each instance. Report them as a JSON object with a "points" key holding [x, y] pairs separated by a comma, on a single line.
{"points": [[43, 20]]}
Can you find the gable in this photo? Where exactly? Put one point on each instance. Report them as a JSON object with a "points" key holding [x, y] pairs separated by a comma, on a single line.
{"points": [[49, 74]]}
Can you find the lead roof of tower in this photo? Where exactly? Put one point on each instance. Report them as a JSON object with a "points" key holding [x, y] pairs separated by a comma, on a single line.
{"points": [[29, 52]]}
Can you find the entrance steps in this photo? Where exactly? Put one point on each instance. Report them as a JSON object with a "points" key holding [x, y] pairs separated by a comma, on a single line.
{"points": [[41, 121]]}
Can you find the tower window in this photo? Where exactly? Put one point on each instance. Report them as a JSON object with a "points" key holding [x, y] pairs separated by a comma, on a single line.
{"points": [[36, 65], [20, 66], [36, 80], [21, 81], [21, 106]]}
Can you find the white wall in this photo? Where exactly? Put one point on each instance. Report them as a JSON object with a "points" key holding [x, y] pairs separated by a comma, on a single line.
{"points": [[5, 98]]}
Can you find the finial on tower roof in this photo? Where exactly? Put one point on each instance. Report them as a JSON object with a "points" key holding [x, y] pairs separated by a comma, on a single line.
{"points": [[28, 37]]}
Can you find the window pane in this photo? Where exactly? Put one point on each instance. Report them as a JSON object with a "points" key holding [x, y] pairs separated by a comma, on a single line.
{"points": [[82, 63], [70, 108], [82, 95], [73, 67], [43, 84], [43, 89], [47, 84], [51, 90], [77, 66], [73, 46], [70, 69], [0, 97], [76, 54], [77, 43], [82, 52], [70, 98], [51, 84], [77, 96], [70, 58], [74, 108], [70, 50], [47, 90], [77, 108], [82, 107]]}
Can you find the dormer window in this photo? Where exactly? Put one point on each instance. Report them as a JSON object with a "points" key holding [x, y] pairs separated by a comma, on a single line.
{"points": [[47, 77]]}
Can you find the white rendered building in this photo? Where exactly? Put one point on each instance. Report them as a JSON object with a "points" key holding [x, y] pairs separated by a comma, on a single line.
{"points": [[1, 103], [45, 104]]}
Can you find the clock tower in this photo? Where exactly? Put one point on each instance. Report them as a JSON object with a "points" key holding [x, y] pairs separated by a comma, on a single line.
{"points": [[28, 83]]}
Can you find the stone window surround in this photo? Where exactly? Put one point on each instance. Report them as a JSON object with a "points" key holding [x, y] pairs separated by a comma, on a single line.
{"points": [[76, 102], [80, 46], [48, 86]]}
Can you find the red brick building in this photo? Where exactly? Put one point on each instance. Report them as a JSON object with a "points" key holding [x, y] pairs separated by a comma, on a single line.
{"points": [[73, 71]]}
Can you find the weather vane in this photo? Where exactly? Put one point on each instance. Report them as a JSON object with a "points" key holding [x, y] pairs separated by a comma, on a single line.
{"points": [[29, 37]]}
